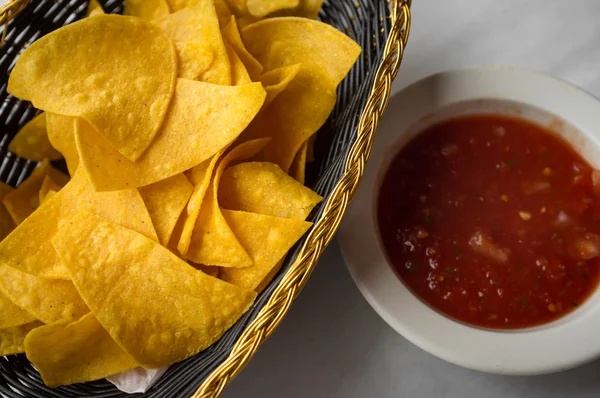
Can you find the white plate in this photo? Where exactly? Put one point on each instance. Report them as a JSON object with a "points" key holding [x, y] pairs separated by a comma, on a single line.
{"points": [[571, 112]]}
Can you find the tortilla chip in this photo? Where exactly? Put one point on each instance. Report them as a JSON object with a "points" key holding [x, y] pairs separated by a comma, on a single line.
{"points": [[261, 8], [48, 300], [200, 176], [212, 241], [302, 108], [195, 58], [94, 8], [6, 222], [239, 74], [200, 24], [204, 118], [117, 72], [231, 35], [262, 187], [23, 201], [165, 200], [267, 239], [28, 247], [11, 339], [208, 270], [306, 8], [4, 189], [61, 133], [48, 185], [68, 352], [277, 80], [150, 10], [12, 315], [31, 142], [310, 150], [247, 20], [121, 271], [298, 168]]}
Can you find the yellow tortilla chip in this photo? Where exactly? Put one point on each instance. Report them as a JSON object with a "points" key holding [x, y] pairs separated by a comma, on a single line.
{"points": [[11, 339], [298, 168], [302, 108], [61, 133], [200, 176], [239, 74], [224, 13], [165, 200], [246, 20], [68, 352], [48, 300], [94, 8], [23, 201], [306, 8], [231, 35], [117, 72], [31, 142], [37, 257], [262, 187], [261, 8], [12, 315], [48, 185], [6, 222], [212, 241], [221, 8], [200, 24], [277, 80], [150, 10], [190, 310], [195, 58], [208, 270], [310, 150], [267, 239], [204, 118]]}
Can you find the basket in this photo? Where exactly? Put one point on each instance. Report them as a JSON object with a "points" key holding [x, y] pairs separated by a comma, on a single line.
{"points": [[341, 150]]}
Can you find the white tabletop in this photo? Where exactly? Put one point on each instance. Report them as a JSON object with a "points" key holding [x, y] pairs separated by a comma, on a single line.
{"points": [[332, 344]]}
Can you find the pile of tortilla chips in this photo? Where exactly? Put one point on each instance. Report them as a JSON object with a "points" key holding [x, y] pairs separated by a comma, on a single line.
{"points": [[185, 126]]}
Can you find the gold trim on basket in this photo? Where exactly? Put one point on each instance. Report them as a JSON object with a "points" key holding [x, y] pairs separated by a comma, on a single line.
{"points": [[7, 12], [319, 237]]}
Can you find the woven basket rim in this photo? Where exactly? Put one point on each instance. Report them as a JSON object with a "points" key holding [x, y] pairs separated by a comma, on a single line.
{"points": [[321, 234]]}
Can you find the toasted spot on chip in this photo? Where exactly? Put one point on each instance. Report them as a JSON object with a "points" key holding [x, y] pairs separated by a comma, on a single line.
{"points": [[31, 142], [195, 58], [23, 201], [298, 168], [11, 339], [266, 239], [165, 200], [61, 133], [231, 35], [326, 56], [117, 72], [149, 10], [121, 271], [28, 247], [212, 241], [200, 176], [204, 118], [261, 8], [200, 24], [262, 187], [67, 352], [277, 80], [11, 314], [48, 300]]}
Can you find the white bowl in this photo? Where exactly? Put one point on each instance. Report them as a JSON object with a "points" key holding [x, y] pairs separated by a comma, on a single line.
{"points": [[565, 343]]}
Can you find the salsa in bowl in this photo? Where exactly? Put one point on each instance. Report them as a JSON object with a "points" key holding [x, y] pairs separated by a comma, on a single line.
{"points": [[475, 232]]}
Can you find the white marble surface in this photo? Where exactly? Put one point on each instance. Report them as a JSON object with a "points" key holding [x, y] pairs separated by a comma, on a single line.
{"points": [[332, 344]]}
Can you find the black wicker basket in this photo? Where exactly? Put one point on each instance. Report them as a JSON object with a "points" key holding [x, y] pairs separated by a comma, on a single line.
{"points": [[365, 90]]}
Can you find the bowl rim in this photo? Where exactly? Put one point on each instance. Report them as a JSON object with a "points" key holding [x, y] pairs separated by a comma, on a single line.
{"points": [[565, 343]]}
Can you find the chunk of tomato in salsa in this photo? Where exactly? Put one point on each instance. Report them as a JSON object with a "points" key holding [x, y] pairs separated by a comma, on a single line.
{"points": [[493, 221]]}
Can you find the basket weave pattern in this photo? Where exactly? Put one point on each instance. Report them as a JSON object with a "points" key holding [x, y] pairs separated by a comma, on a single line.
{"points": [[342, 149]]}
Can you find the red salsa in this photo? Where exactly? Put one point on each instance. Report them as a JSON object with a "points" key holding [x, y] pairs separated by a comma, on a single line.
{"points": [[493, 221]]}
